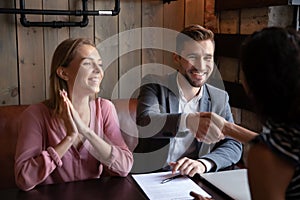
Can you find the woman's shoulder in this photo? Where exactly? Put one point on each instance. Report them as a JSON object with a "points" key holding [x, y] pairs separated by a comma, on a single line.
{"points": [[283, 139], [37, 108], [36, 112]]}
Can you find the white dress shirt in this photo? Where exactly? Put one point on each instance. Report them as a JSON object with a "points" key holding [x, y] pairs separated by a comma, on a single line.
{"points": [[182, 146]]}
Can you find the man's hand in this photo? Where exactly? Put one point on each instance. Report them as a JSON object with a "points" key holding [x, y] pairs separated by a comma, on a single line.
{"points": [[187, 166], [207, 127]]}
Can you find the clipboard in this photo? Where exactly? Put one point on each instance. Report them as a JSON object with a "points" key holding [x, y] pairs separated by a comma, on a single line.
{"points": [[233, 183]]}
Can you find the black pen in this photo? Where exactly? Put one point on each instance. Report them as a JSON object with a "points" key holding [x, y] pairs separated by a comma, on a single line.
{"points": [[170, 178]]}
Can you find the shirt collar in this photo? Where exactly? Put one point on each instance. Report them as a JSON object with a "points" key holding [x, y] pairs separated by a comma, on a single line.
{"points": [[195, 98]]}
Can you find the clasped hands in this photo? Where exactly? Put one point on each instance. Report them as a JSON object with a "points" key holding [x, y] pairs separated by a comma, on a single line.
{"points": [[206, 126], [72, 120]]}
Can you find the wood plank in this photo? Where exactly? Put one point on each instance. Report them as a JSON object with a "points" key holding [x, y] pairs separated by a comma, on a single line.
{"points": [[210, 17], [229, 22], [174, 20], [107, 40], [130, 47], [87, 31], [152, 58], [9, 91], [31, 58], [234, 4], [282, 16], [174, 15], [194, 12], [53, 36], [254, 19]]}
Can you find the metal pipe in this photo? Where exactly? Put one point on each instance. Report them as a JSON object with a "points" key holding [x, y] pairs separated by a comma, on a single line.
{"points": [[23, 19], [54, 24], [58, 24], [50, 12], [85, 19], [116, 10]]}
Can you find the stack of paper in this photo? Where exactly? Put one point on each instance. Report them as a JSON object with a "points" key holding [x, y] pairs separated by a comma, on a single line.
{"points": [[178, 188]]}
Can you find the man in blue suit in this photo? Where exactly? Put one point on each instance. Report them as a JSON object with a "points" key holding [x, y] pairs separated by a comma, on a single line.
{"points": [[169, 112]]}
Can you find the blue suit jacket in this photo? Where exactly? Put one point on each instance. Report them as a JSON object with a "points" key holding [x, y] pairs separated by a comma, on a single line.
{"points": [[158, 120]]}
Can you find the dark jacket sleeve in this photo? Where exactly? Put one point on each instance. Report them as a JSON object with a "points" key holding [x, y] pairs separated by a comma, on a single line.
{"points": [[154, 119]]}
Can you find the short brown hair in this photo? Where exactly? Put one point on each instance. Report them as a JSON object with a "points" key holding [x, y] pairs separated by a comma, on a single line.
{"points": [[194, 32]]}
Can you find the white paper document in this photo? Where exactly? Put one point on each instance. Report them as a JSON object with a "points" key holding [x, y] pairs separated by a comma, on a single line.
{"points": [[232, 182], [175, 189]]}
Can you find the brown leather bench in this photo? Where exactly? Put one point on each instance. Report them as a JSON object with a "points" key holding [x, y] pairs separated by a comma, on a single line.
{"points": [[126, 110]]}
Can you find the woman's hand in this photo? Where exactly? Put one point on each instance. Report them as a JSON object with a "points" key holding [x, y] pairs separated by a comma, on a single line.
{"points": [[74, 116], [70, 125]]}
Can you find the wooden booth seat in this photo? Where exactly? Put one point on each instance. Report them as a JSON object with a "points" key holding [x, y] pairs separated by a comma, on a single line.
{"points": [[126, 109]]}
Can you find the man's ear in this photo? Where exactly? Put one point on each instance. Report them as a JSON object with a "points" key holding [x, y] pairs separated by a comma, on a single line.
{"points": [[60, 71], [176, 57]]}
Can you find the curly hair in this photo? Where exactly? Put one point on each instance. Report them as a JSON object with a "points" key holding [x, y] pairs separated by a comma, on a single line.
{"points": [[271, 65]]}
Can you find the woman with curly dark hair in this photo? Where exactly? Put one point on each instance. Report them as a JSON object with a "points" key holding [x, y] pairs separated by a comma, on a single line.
{"points": [[271, 66]]}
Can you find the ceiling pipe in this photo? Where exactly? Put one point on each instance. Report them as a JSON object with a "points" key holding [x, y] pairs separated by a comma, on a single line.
{"points": [[58, 24]]}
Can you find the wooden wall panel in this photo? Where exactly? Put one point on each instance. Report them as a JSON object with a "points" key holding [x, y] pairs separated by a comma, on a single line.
{"points": [[234, 4], [174, 20], [130, 47], [87, 31], [253, 19], [194, 12], [29, 50], [53, 36], [174, 15], [8, 56], [235, 25], [152, 58], [31, 58], [229, 22], [106, 30]]}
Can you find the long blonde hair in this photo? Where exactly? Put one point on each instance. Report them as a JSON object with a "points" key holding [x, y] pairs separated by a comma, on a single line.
{"points": [[63, 55]]}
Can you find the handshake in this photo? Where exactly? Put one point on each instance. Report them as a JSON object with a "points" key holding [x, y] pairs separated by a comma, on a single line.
{"points": [[206, 126], [210, 128]]}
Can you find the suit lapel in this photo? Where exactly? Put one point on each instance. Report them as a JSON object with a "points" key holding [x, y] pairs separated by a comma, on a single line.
{"points": [[205, 105], [205, 101], [173, 94]]}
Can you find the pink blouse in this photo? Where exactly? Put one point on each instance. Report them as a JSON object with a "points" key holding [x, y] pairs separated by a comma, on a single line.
{"points": [[36, 161]]}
